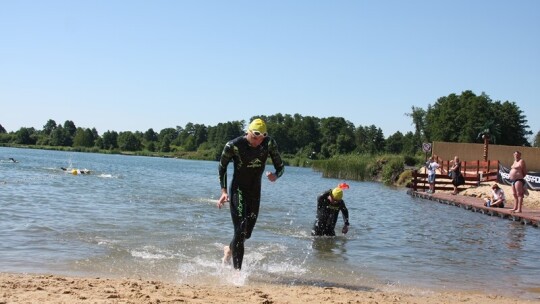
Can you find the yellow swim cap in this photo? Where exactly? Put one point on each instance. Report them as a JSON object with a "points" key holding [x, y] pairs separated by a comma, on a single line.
{"points": [[257, 125], [74, 171], [337, 193]]}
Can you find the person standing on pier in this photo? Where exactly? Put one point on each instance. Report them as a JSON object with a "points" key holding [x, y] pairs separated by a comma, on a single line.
{"points": [[432, 167], [456, 175], [517, 175]]}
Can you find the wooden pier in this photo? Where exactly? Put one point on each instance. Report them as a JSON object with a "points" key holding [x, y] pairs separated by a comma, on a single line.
{"points": [[474, 172], [526, 217]]}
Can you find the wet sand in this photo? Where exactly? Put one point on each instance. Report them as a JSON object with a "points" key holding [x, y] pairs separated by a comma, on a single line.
{"points": [[32, 288]]}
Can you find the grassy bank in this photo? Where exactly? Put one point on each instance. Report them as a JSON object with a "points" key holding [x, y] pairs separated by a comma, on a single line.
{"points": [[389, 169]]}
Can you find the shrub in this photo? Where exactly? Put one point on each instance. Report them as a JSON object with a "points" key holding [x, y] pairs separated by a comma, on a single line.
{"points": [[391, 170]]}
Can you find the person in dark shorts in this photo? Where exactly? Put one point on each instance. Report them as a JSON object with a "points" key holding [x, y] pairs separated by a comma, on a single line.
{"points": [[249, 153], [517, 175], [329, 204]]}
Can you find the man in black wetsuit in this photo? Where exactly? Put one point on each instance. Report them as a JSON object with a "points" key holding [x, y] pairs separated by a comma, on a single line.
{"points": [[329, 204], [249, 153]]}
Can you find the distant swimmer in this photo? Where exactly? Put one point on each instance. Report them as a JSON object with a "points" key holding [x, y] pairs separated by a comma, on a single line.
{"points": [[76, 171], [13, 160]]}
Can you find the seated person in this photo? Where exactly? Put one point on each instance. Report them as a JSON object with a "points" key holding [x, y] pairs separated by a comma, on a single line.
{"points": [[497, 197]]}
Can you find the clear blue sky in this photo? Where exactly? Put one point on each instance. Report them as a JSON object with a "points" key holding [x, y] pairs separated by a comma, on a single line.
{"points": [[134, 65]]}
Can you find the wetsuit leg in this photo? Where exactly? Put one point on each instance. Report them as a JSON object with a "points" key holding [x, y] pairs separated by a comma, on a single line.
{"points": [[330, 232], [252, 212], [316, 230], [239, 223], [244, 215]]}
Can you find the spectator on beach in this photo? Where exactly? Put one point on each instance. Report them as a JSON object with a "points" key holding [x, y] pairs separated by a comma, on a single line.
{"points": [[432, 167], [329, 204], [456, 175], [248, 153], [497, 197], [517, 175]]}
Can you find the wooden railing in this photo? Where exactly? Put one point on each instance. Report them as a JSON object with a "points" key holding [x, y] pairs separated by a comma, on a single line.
{"points": [[474, 173]]}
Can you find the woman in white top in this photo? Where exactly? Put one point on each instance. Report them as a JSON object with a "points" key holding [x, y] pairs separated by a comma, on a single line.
{"points": [[497, 197]]}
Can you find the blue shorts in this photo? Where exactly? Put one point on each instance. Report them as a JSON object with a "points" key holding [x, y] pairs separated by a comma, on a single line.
{"points": [[431, 179]]}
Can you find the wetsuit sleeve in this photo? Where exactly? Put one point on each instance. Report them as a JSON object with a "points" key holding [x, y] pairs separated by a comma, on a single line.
{"points": [[226, 156], [276, 157], [345, 213], [320, 198]]}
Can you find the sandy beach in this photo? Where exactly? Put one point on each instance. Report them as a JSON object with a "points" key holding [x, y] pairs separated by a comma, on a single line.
{"points": [[26, 288], [531, 201], [49, 288]]}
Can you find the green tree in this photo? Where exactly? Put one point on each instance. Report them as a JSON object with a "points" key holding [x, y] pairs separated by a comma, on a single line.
{"points": [[165, 144], [333, 128], [183, 134], [99, 143], [514, 131], [410, 147], [369, 139], [110, 140], [190, 144], [222, 133], [536, 141], [127, 141], [394, 143], [459, 118], [83, 138], [6, 137], [25, 136], [166, 137], [49, 127], [197, 134], [443, 122], [418, 116], [151, 146], [95, 134], [59, 137], [70, 128], [150, 135], [474, 112], [307, 133], [280, 127]]}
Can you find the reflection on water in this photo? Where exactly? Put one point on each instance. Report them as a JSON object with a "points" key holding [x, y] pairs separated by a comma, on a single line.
{"points": [[157, 218], [333, 248], [516, 234]]}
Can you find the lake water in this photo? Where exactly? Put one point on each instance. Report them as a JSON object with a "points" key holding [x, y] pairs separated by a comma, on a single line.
{"points": [[156, 218]]}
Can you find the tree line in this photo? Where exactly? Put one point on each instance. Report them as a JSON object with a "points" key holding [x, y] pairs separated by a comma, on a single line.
{"points": [[453, 118]]}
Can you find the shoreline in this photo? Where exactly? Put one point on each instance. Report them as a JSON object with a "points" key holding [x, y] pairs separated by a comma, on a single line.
{"points": [[531, 201], [50, 288]]}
